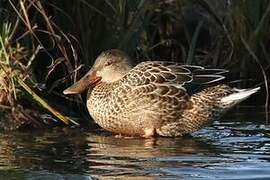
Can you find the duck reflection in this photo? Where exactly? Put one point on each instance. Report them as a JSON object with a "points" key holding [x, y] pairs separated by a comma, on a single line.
{"points": [[109, 156], [101, 155], [145, 148]]}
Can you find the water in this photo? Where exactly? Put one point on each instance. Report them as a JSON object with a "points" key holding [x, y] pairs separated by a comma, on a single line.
{"points": [[235, 147]]}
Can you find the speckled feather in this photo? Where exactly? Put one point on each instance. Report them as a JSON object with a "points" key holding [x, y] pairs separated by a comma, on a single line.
{"points": [[151, 95]]}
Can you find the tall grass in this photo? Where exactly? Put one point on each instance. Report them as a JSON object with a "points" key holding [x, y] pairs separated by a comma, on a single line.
{"points": [[56, 39], [10, 66], [254, 38], [209, 33], [246, 26], [19, 47]]}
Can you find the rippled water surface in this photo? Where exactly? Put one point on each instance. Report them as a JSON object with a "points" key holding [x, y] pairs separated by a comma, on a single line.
{"points": [[235, 147]]}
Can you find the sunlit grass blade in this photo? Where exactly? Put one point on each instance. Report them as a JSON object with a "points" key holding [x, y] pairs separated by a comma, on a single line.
{"points": [[44, 104]]}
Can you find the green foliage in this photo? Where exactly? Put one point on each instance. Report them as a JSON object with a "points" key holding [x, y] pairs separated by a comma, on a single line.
{"points": [[4, 36]]}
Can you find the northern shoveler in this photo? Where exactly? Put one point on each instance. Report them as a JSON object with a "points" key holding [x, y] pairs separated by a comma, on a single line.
{"points": [[151, 98]]}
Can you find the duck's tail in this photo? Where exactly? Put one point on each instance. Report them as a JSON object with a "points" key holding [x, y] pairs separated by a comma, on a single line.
{"points": [[211, 103], [222, 96], [238, 96]]}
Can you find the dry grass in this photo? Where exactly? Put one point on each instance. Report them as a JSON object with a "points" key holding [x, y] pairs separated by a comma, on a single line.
{"points": [[16, 65]]}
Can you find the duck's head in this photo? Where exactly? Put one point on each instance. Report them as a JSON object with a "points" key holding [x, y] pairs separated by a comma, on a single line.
{"points": [[110, 66]]}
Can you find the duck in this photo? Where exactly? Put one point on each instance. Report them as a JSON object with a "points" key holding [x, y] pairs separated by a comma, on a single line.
{"points": [[153, 98]]}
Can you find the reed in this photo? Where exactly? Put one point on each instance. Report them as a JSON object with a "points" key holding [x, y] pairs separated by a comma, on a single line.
{"points": [[246, 26], [20, 45], [49, 43]]}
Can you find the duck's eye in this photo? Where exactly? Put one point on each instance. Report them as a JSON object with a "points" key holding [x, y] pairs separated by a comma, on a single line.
{"points": [[108, 63]]}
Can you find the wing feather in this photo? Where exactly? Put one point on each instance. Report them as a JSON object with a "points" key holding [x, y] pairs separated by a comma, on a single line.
{"points": [[155, 89], [171, 73]]}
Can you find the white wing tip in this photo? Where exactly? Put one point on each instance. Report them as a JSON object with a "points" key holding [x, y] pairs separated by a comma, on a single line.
{"points": [[239, 96]]}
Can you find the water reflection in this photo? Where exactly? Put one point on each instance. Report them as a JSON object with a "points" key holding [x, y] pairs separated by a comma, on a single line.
{"points": [[110, 156], [232, 148], [78, 152]]}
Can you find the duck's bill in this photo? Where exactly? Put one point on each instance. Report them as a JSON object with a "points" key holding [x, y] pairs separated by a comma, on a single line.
{"points": [[83, 84]]}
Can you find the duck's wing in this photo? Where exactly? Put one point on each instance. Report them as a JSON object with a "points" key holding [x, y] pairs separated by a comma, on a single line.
{"points": [[171, 73], [152, 94]]}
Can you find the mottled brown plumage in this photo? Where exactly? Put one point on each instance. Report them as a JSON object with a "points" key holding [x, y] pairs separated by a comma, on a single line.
{"points": [[150, 98]]}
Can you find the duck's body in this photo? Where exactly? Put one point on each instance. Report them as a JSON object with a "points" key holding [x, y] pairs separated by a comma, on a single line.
{"points": [[151, 99]]}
